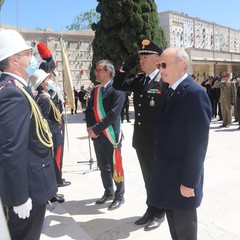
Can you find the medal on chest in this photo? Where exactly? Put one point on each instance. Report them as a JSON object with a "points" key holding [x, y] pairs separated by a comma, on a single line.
{"points": [[152, 102]]}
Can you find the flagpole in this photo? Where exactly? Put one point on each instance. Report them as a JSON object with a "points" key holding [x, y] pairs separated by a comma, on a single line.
{"points": [[1, 3], [67, 82]]}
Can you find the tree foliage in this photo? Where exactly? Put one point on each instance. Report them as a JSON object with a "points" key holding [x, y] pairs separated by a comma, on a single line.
{"points": [[84, 20], [122, 26]]}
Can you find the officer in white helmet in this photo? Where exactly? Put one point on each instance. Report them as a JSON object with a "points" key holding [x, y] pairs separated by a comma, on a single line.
{"points": [[41, 83], [27, 177]]}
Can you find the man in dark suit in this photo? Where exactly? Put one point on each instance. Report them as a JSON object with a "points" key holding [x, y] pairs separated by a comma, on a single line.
{"points": [[181, 140], [27, 177], [103, 122], [148, 89]]}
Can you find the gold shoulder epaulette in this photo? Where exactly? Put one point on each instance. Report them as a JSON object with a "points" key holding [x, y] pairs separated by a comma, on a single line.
{"points": [[42, 128]]}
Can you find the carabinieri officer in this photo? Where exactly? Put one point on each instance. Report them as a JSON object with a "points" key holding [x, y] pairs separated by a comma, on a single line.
{"points": [[148, 97]]}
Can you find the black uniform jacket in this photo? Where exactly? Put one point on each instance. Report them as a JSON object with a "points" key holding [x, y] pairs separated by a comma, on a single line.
{"points": [[148, 102], [44, 103], [26, 165]]}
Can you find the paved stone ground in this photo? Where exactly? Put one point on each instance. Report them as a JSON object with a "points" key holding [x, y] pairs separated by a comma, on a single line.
{"points": [[79, 218]]}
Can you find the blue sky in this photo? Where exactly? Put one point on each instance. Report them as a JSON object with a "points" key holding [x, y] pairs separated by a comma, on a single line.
{"points": [[57, 14]]}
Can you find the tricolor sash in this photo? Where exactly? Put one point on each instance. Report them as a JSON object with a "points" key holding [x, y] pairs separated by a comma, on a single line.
{"points": [[99, 114]]}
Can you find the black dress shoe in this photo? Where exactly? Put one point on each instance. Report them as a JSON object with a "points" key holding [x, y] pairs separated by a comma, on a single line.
{"points": [[154, 223], [64, 184], [104, 199], [57, 198], [145, 218], [116, 204]]}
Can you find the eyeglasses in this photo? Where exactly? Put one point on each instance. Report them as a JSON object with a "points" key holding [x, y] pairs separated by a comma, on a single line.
{"points": [[98, 69]]}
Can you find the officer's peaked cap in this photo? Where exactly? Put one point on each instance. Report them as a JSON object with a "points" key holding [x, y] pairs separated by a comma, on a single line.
{"points": [[149, 47]]}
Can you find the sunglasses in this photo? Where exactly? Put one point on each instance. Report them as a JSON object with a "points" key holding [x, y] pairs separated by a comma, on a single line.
{"points": [[163, 65]]}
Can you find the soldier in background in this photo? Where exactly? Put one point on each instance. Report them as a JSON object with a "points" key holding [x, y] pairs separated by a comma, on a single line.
{"points": [[82, 94], [48, 65], [227, 98], [238, 101]]}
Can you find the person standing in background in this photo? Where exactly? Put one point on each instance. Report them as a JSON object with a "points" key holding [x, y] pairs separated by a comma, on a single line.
{"points": [[48, 65], [40, 82], [227, 98], [238, 101], [75, 92], [208, 83], [82, 94], [125, 109]]}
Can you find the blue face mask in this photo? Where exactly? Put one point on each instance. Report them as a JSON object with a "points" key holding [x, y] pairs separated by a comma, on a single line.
{"points": [[33, 66]]}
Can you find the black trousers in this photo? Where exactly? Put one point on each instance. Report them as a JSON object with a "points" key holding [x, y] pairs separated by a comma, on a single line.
{"points": [[58, 154], [145, 158], [182, 223], [104, 153], [28, 228], [125, 110]]}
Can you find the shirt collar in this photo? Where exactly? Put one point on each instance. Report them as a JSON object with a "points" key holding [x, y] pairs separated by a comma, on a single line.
{"points": [[153, 74], [20, 79], [175, 85], [106, 84]]}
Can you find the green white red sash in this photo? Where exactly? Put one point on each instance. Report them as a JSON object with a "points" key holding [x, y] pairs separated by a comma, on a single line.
{"points": [[99, 114]]}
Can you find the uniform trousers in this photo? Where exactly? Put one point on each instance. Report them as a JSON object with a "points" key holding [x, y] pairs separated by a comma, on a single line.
{"points": [[226, 111], [28, 228], [58, 154], [145, 158], [182, 223], [104, 153]]}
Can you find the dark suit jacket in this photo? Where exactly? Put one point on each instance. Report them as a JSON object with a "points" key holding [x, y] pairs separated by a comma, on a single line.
{"points": [[26, 165], [181, 140], [145, 113], [238, 98], [113, 101]]}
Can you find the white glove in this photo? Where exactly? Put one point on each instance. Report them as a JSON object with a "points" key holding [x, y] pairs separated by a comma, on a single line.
{"points": [[23, 210]]}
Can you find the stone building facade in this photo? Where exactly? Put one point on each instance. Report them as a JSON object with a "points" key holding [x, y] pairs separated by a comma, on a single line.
{"points": [[213, 49], [79, 50]]}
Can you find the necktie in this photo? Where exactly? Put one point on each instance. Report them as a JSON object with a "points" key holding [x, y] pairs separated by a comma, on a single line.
{"points": [[103, 89], [169, 93], [147, 80]]}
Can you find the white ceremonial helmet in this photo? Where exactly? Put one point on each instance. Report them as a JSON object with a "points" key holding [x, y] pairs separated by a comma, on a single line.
{"points": [[11, 42], [37, 78]]}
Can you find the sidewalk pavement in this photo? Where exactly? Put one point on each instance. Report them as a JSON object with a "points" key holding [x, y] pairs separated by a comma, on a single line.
{"points": [[80, 219]]}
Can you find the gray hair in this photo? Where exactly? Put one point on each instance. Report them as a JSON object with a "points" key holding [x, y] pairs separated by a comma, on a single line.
{"points": [[182, 55], [107, 66], [178, 54]]}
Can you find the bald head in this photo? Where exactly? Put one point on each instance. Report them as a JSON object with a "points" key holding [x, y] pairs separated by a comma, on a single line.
{"points": [[174, 64]]}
